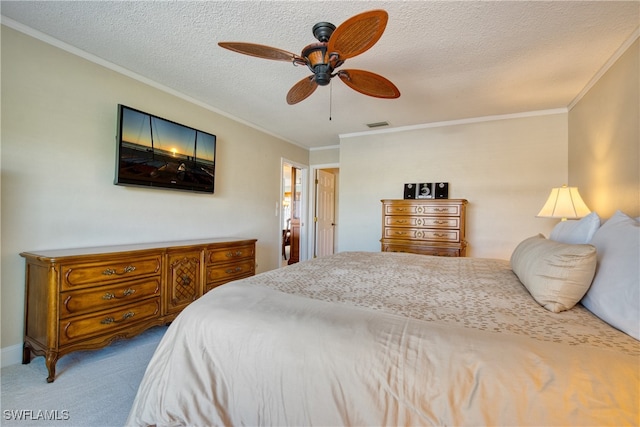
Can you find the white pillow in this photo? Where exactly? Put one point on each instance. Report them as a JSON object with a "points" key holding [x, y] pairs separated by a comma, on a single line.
{"points": [[576, 231], [614, 295], [556, 274]]}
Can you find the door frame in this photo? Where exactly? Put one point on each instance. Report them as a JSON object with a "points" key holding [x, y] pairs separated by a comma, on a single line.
{"points": [[304, 209], [311, 248]]}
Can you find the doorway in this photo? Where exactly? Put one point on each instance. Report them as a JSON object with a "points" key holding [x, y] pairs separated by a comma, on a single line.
{"points": [[325, 210], [292, 224]]}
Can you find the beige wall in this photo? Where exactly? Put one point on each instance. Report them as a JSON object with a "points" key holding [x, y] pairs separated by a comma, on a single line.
{"points": [[504, 168], [58, 161], [604, 139], [325, 156]]}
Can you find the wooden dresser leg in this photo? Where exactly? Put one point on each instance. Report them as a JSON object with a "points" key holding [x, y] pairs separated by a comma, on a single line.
{"points": [[26, 354], [50, 361]]}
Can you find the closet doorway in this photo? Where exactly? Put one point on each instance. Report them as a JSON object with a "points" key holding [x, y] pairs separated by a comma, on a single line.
{"points": [[293, 209]]}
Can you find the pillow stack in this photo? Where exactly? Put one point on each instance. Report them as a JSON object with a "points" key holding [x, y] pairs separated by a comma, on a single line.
{"points": [[582, 261]]}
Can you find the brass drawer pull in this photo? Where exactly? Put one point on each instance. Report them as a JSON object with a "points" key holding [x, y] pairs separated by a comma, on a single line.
{"points": [[112, 271], [400, 209], [234, 254], [441, 209], [109, 320], [400, 233], [440, 234], [438, 221], [401, 221], [233, 270], [125, 293]]}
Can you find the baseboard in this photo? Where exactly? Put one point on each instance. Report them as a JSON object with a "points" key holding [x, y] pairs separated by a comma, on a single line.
{"points": [[11, 355]]}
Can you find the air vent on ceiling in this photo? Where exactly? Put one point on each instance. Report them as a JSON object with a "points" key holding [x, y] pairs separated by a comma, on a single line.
{"points": [[377, 125]]}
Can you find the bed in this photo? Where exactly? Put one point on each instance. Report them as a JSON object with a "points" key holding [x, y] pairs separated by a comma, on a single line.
{"points": [[362, 338]]}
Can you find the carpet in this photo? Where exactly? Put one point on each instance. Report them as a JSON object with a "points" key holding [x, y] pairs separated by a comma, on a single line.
{"points": [[92, 388]]}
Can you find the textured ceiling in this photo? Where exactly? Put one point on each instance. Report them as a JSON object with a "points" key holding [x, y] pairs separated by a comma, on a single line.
{"points": [[451, 60]]}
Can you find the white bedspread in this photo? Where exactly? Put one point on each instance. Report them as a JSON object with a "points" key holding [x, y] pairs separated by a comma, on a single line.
{"points": [[388, 339]]}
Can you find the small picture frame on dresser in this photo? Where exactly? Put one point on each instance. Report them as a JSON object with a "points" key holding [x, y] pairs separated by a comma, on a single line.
{"points": [[425, 190], [410, 191], [441, 190]]}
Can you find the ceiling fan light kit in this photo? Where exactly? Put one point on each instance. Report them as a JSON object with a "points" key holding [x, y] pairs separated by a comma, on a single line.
{"points": [[353, 37], [320, 62]]}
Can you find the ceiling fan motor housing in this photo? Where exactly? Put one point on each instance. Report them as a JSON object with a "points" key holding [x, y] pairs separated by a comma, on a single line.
{"points": [[323, 74]]}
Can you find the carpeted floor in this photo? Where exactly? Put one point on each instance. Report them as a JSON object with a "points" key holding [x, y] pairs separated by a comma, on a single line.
{"points": [[92, 388]]}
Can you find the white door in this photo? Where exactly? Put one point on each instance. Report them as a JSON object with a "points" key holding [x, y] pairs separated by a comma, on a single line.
{"points": [[325, 212]]}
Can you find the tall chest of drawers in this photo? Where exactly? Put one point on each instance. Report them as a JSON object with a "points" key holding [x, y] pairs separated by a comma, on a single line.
{"points": [[80, 299], [424, 226]]}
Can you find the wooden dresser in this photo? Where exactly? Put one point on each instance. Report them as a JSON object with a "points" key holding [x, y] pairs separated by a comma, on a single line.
{"points": [[424, 226], [80, 299]]}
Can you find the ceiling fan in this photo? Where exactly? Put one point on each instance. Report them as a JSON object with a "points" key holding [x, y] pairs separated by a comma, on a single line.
{"points": [[335, 45]]}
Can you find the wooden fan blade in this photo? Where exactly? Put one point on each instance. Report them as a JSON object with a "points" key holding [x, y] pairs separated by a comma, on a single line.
{"points": [[368, 83], [301, 90], [261, 51], [357, 34]]}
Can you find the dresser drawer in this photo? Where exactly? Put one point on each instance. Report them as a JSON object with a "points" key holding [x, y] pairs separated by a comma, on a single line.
{"points": [[446, 210], [426, 209], [421, 221], [230, 272], [82, 327], [422, 234], [99, 273], [451, 252], [77, 302], [229, 254], [424, 250]]}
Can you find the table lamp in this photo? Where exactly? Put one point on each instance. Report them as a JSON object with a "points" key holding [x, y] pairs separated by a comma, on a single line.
{"points": [[564, 203]]}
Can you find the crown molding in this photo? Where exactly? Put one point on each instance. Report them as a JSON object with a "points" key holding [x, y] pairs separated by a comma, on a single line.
{"points": [[457, 122]]}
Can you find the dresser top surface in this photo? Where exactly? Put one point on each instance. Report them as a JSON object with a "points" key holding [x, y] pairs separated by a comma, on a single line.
{"points": [[410, 201], [96, 250]]}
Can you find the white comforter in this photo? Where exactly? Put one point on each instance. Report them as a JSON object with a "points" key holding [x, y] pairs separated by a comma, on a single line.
{"points": [[387, 339]]}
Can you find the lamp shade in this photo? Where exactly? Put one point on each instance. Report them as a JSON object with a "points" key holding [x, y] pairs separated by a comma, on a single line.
{"points": [[564, 202]]}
